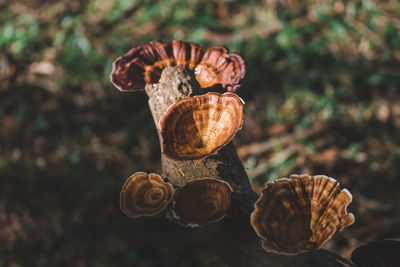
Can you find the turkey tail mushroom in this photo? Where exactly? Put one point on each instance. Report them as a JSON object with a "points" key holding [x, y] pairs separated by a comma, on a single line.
{"points": [[301, 213], [199, 126], [143, 65], [201, 201], [145, 195], [219, 67]]}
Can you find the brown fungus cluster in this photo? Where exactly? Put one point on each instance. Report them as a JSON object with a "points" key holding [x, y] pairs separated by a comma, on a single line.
{"points": [[199, 126], [144, 64], [292, 215], [192, 128], [301, 213]]}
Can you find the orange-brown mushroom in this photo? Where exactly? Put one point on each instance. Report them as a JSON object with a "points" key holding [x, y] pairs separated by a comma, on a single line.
{"points": [[143, 65], [145, 195], [301, 213], [186, 54], [201, 201], [377, 253], [219, 67], [199, 126]]}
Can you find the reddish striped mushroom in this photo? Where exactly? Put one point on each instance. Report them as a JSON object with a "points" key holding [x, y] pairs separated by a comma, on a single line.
{"points": [[143, 65], [199, 126], [301, 213], [145, 195], [201, 201], [218, 66]]}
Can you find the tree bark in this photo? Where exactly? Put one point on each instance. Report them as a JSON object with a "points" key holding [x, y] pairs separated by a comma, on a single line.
{"points": [[233, 238]]}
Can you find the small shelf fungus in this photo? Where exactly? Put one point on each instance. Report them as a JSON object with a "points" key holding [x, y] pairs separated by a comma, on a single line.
{"points": [[145, 195], [199, 126], [219, 67], [144, 64], [301, 213], [377, 253], [201, 201]]}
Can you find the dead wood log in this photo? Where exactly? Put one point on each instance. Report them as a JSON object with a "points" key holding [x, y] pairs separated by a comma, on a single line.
{"points": [[233, 238]]}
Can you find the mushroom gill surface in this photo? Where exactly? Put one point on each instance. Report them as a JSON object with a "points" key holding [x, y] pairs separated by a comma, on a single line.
{"points": [[201, 201], [145, 195], [198, 126], [301, 213]]}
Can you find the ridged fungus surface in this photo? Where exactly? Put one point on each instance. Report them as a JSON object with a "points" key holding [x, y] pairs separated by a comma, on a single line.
{"points": [[145, 195], [301, 213], [199, 126], [218, 66], [144, 64], [201, 201]]}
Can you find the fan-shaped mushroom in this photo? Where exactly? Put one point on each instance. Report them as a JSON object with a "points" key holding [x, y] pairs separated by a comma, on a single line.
{"points": [[143, 65], [301, 213], [201, 201], [186, 54], [198, 126], [377, 253], [220, 67], [145, 195]]}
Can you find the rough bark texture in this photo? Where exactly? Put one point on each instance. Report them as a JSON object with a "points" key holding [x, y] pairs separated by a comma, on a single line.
{"points": [[233, 237]]}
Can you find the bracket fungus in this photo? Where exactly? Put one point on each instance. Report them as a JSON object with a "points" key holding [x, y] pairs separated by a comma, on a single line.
{"points": [[301, 213], [219, 67], [199, 126], [377, 253], [143, 65], [145, 195], [201, 201]]}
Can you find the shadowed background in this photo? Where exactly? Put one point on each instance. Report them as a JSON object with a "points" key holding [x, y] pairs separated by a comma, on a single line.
{"points": [[322, 97]]}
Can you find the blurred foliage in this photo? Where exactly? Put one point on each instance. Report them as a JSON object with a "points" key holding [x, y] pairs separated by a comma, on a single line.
{"points": [[68, 138]]}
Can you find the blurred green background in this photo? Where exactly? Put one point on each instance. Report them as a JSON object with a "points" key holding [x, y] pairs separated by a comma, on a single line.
{"points": [[322, 97]]}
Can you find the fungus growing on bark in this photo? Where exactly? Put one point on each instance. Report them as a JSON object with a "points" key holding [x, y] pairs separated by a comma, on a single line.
{"points": [[201, 201], [145, 195], [143, 65], [377, 253], [235, 241], [301, 213], [219, 67], [198, 126], [186, 54]]}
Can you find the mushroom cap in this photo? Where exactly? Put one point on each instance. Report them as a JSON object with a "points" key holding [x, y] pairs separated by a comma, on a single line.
{"points": [[301, 213], [198, 126], [201, 201], [219, 67], [145, 195], [143, 65], [186, 54], [377, 253]]}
